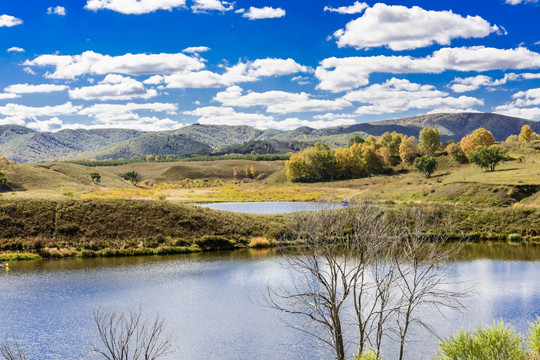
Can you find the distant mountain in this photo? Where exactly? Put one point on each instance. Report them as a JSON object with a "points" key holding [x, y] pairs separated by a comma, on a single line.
{"points": [[21, 144], [455, 126], [24, 145]]}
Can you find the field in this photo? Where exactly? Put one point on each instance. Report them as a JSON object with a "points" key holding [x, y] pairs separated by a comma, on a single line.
{"points": [[56, 210]]}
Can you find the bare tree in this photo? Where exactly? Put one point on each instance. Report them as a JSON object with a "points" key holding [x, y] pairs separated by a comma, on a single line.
{"points": [[11, 350], [366, 268], [128, 336]]}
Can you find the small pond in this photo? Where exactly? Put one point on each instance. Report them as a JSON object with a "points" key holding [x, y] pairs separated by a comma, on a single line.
{"points": [[271, 207]]}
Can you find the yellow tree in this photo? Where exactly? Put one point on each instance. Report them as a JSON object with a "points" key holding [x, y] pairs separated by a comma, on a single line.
{"points": [[479, 136], [408, 149], [527, 134]]}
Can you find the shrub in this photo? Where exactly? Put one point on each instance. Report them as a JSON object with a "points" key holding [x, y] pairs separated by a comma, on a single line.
{"points": [[534, 339], [455, 152], [3, 179], [367, 355], [499, 341], [259, 242], [513, 238], [95, 177]]}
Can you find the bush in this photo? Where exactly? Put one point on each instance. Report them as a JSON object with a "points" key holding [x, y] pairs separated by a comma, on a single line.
{"points": [[499, 341], [514, 238], [534, 339]]}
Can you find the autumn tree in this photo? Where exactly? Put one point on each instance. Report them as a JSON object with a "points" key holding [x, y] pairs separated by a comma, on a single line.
{"points": [[408, 149], [313, 164], [430, 140], [512, 138], [149, 158], [487, 157], [479, 136], [527, 134], [425, 164]]}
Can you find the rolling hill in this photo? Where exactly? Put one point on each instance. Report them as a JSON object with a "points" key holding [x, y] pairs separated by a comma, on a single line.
{"points": [[24, 145]]}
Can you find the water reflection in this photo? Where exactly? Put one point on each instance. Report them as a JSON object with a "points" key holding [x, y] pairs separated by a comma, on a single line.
{"points": [[212, 301]]}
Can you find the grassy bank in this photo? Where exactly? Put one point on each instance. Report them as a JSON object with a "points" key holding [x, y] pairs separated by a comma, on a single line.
{"points": [[63, 228], [97, 227]]}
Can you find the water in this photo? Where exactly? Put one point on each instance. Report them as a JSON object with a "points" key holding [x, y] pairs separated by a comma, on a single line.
{"points": [[213, 302], [271, 207]]}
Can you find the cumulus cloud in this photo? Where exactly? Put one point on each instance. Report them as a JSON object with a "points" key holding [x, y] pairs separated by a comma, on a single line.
{"points": [[89, 62], [113, 87], [266, 12], [278, 102], [216, 115], [516, 2], [15, 49], [196, 49], [340, 74], [472, 83], [241, 72], [31, 89], [154, 80], [356, 8], [135, 7], [206, 5], [111, 113], [57, 10], [52, 124], [23, 111], [9, 21], [5, 96], [401, 28], [397, 95], [526, 104]]}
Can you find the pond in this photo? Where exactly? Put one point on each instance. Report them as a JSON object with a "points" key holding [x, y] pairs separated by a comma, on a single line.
{"points": [[271, 207], [213, 302]]}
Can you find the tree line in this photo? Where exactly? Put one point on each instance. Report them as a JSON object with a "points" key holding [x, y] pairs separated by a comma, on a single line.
{"points": [[365, 157]]}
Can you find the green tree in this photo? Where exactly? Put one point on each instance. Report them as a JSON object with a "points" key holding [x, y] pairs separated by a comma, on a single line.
{"points": [[3, 178], [425, 164], [317, 163], [355, 140], [133, 177], [430, 140], [391, 141], [95, 177], [487, 157], [455, 152]]}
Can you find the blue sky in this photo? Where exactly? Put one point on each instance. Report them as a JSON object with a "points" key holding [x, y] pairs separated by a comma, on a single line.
{"points": [[164, 64]]}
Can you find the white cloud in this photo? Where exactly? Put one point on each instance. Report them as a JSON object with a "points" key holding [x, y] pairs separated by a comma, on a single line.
{"points": [[241, 72], [302, 80], [516, 2], [205, 5], [339, 74], [57, 10], [450, 110], [196, 49], [154, 80], [15, 49], [278, 102], [9, 21], [113, 113], [526, 104], [356, 8], [136, 7], [402, 28], [28, 111], [89, 62], [29, 71], [32, 89], [228, 116], [396, 95], [266, 12], [4, 96], [113, 87], [475, 82], [53, 124], [530, 76]]}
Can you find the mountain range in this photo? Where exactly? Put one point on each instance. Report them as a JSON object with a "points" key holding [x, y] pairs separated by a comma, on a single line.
{"points": [[21, 144]]}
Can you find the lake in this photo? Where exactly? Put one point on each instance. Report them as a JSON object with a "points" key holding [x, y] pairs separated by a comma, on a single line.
{"points": [[213, 301], [271, 207]]}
